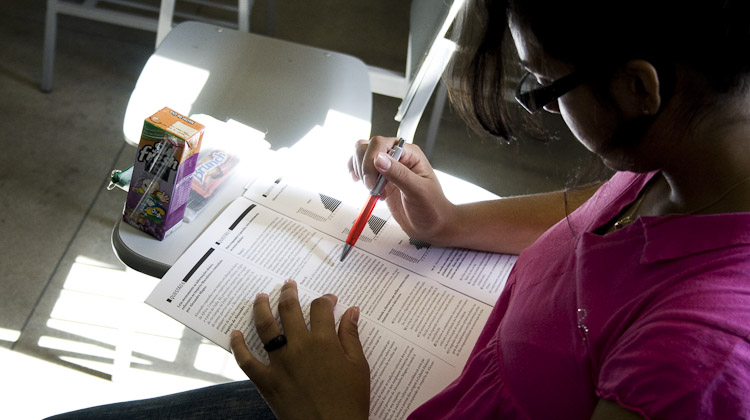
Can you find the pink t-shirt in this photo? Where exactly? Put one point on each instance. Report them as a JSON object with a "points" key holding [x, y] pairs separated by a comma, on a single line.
{"points": [[655, 316]]}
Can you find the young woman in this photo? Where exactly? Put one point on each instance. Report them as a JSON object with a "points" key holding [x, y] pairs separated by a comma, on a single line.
{"points": [[637, 304], [630, 300]]}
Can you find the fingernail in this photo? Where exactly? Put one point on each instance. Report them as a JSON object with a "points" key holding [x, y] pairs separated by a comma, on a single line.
{"points": [[354, 317], [382, 162], [260, 296], [290, 281], [333, 298], [235, 333]]}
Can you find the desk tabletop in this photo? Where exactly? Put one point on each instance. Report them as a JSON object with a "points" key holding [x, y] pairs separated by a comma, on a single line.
{"points": [[146, 254]]}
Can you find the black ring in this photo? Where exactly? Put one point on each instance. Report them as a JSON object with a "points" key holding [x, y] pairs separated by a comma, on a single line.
{"points": [[276, 343]]}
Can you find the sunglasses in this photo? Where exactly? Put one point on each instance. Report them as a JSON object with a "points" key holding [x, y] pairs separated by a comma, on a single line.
{"points": [[534, 96]]}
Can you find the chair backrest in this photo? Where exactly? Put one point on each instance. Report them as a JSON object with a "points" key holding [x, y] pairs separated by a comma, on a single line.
{"points": [[428, 54], [278, 87]]}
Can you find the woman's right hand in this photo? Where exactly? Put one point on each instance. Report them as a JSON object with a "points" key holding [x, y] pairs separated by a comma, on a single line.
{"points": [[413, 192]]}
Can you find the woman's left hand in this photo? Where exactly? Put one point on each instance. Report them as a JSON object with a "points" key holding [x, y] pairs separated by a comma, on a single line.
{"points": [[319, 373]]}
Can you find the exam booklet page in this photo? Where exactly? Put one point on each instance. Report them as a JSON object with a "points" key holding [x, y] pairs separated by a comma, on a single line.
{"points": [[422, 307]]}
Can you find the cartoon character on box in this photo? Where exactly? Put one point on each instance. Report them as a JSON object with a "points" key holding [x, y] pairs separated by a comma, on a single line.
{"points": [[154, 211], [154, 205]]}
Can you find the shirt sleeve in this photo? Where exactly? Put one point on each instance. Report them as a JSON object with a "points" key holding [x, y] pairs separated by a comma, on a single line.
{"points": [[686, 358]]}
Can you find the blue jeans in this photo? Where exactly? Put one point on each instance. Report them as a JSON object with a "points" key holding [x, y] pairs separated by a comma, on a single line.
{"points": [[233, 400]]}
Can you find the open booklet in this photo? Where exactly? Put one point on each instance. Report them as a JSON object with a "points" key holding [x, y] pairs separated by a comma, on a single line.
{"points": [[422, 307]]}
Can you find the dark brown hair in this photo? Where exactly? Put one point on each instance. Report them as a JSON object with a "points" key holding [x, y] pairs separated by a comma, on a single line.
{"points": [[711, 37]]}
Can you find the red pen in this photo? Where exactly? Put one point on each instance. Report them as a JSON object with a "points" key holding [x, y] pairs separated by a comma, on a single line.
{"points": [[366, 212]]}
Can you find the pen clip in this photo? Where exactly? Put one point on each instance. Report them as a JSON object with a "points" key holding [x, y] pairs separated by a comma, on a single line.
{"points": [[395, 153]]}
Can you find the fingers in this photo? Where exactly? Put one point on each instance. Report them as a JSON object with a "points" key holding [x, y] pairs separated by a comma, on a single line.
{"points": [[349, 334], [378, 145], [355, 163], [360, 165], [265, 322], [290, 311], [245, 360], [408, 175], [322, 324], [322, 320]]}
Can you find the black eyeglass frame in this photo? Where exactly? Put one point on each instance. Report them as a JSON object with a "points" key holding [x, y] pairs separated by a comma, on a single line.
{"points": [[536, 99]]}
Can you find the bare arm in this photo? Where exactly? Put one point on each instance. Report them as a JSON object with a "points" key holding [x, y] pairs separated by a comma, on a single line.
{"points": [[510, 225], [417, 202]]}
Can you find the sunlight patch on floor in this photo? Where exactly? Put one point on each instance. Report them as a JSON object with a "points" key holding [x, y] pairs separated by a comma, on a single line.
{"points": [[9, 335], [100, 323]]}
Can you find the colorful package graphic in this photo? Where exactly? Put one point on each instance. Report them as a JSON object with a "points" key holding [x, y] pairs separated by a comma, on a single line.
{"points": [[213, 168], [163, 173]]}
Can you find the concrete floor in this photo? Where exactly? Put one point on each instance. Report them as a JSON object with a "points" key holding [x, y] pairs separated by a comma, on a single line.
{"points": [[73, 329]]}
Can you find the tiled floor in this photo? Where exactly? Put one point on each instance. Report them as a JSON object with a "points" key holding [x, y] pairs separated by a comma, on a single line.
{"points": [[73, 328]]}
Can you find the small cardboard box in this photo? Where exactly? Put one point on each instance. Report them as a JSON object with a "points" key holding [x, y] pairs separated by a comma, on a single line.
{"points": [[163, 173]]}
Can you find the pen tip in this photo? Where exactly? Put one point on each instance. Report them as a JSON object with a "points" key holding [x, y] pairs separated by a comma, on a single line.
{"points": [[345, 252]]}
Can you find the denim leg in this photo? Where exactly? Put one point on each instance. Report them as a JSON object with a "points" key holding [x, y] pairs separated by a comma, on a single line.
{"points": [[233, 400]]}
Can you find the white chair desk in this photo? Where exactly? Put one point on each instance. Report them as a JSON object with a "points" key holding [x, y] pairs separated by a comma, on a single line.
{"points": [[291, 92]]}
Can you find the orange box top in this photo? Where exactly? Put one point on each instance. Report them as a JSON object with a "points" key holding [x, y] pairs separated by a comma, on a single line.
{"points": [[177, 125]]}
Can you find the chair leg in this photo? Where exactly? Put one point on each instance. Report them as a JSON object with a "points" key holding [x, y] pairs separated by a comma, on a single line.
{"points": [[50, 35], [166, 16], [441, 94], [243, 14], [270, 15]]}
